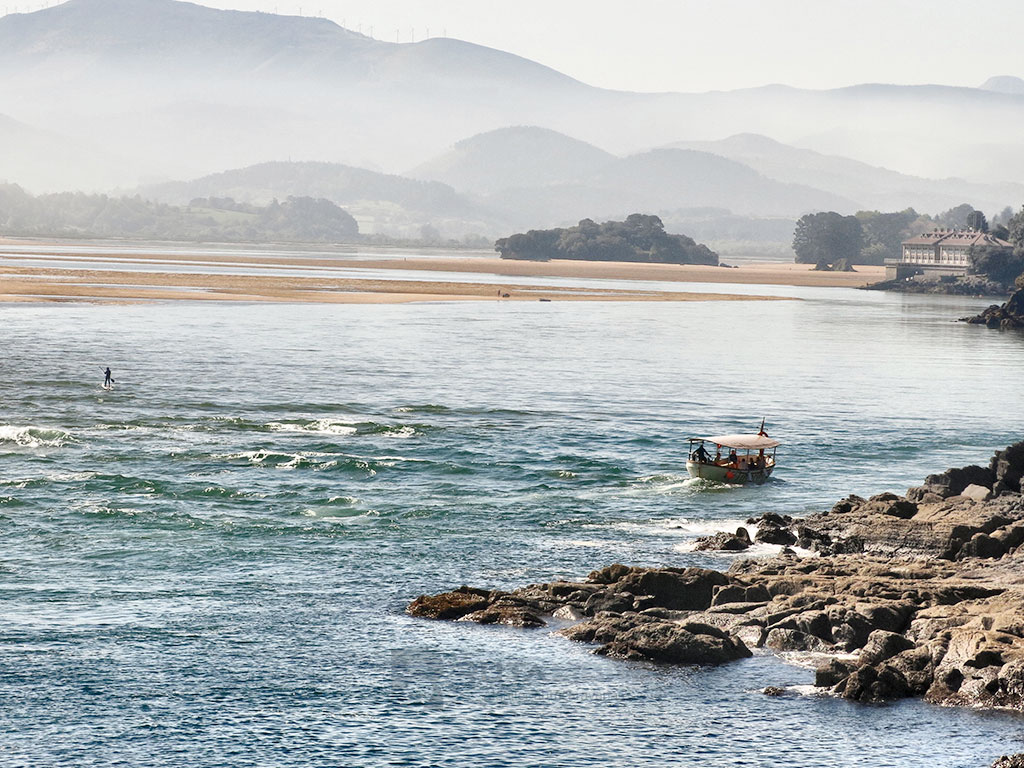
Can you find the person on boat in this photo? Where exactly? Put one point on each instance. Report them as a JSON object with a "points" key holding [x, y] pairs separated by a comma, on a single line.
{"points": [[733, 458], [718, 456], [107, 378], [701, 455]]}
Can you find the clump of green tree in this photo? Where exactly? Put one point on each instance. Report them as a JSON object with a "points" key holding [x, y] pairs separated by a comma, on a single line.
{"points": [[824, 238], [871, 237], [999, 264], [640, 238], [67, 214]]}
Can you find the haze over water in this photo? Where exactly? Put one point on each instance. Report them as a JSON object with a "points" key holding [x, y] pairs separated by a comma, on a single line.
{"points": [[209, 565]]}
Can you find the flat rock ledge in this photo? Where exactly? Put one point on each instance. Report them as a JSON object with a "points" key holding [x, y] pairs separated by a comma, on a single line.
{"points": [[920, 595]]}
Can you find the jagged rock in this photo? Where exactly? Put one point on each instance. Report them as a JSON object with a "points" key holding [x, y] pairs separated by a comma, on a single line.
{"points": [[603, 628], [615, 602], [1010, 761], [1008, 316], [832, 673], [675, 644], [729, 542], [774, 529], [450, 605], [871, 684], [770, 518], [887, 616], [1008, 467], [981, 545], [795, 640], [678, 589], [609, 575], [848, 504], [952, 482], [507, 613], [773, 690], [881, 646], [737, 593]]}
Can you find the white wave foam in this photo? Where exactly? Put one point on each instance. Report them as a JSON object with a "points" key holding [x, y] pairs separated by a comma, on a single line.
{"points": [[318, 427], [679, 526], [758, 549], [336, 428], [34, 437]]}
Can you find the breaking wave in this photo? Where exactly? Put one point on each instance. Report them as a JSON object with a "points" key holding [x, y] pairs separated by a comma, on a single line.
{"points": [[334, 428], [33, 437]]}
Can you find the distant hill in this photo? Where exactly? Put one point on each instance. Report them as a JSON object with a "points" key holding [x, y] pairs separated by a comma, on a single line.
{"points": [[659, 180], [297, 219], [380, 202], [870, 187], [1004, 84], [182, 38], [520, 156], [174, 89]]}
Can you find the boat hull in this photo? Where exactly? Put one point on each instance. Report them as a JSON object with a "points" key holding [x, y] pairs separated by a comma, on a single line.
{"points": [[729, 475]]}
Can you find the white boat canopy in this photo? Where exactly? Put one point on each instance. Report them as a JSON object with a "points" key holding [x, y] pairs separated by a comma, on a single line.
{"points": [[743, 442]]}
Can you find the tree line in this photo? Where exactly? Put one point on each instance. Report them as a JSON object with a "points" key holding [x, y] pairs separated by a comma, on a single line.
{"points": [[870, 237], [76, 214]]}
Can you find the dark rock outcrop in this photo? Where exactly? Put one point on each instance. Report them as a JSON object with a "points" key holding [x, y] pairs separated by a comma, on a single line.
{"points": [[727, 542], [451, 605], [639, 637], [1009, 315]]}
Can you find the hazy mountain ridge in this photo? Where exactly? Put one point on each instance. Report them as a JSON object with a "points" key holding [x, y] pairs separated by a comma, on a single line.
{"points": [[1004, 84], [517, 156], [177, 90], [871, 187], [385, 203], [105, 34], [542, 178]]}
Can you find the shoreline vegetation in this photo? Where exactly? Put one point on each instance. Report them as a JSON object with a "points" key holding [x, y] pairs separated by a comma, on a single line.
{"points": [[839, 243], [148, 276], [912, 596]]}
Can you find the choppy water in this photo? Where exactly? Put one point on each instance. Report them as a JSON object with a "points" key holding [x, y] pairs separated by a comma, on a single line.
{"points": [[208, 565]]}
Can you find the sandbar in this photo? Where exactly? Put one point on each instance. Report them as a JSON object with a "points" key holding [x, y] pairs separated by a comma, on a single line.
{"points": [[232, 275], [25, 283]]}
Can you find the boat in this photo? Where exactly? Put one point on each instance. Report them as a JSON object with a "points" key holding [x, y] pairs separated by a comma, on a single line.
{"points": [[750, 458]]}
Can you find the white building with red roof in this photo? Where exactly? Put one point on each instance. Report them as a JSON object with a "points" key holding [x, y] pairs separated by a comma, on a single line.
{"points": [[939, 253]]}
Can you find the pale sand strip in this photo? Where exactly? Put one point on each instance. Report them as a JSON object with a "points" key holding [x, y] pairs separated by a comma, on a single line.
{"points": [[750, 274], [25, 283]]}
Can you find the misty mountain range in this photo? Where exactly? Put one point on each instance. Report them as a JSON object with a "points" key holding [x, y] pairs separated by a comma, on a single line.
{"points": [[132, 94]]}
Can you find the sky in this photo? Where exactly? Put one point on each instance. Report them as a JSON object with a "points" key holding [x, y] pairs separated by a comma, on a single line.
{"points": [[702, 45]]}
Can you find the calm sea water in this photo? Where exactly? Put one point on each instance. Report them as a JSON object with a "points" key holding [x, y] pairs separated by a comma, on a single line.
{"points": [[209, 565]]}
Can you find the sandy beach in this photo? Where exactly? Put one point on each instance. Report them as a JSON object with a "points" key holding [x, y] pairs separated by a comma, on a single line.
{"points": [[228, 276]]}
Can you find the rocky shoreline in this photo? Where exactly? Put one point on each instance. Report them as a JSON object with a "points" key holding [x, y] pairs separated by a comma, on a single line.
{"points": [[968, 285], [919, 595], [1009, 315]]}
